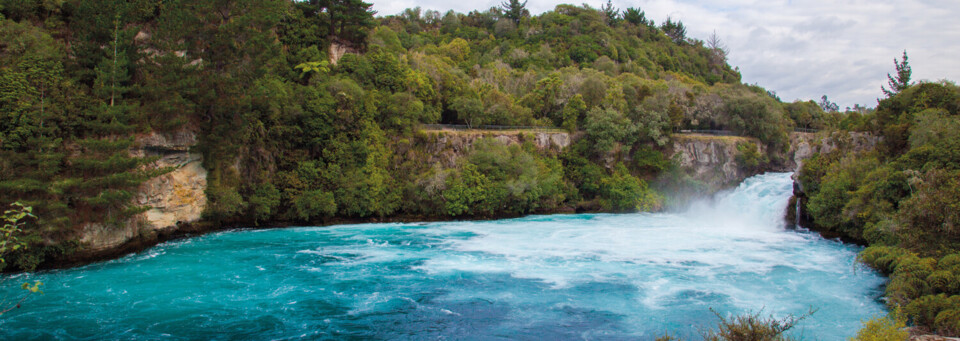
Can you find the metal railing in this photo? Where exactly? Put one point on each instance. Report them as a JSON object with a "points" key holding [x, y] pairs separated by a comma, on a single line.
{"points": [[709, 132], [732, 133], [546, 128], [486, 127]]}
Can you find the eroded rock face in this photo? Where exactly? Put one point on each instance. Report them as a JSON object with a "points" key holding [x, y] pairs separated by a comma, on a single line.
{"points": [[804, 145], [445, 146], [711, 160], [175, 198]]}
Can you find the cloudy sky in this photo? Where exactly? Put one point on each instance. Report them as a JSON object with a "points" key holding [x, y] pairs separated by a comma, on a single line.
{"points": [[802, 49]]}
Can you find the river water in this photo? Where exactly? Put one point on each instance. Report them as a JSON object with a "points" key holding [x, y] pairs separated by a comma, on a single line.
{"points": [[585, 276]]}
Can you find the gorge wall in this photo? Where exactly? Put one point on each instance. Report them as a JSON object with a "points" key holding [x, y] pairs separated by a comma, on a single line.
{"points": [[175, 199], [711, 160]]}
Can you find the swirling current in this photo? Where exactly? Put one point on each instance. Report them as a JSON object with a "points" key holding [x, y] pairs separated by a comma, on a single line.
{"points": [[554, 277]]}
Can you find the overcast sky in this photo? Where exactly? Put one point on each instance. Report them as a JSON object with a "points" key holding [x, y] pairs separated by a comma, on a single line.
{"points": [[802, 49]]}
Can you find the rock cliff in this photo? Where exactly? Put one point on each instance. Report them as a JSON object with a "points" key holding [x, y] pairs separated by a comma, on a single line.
{"points": [[711, 160], [804, 145], [175, 198], [445, 146]]}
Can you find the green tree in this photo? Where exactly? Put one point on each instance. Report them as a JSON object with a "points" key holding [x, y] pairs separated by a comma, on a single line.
{"points": [[469, 110], [514, 10], [573, 113], [309, 68], [612, 14], [623, 192], [465, 189], [675, 30], [14, 220], [315, 204], [605, 128], [112, 73], [902, 80], [636, 16]]}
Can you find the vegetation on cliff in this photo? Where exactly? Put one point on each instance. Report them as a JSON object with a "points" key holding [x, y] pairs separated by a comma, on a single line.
{"points": [[901, 199], [290, 133]]}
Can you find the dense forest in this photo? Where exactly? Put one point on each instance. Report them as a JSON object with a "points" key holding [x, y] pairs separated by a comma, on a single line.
{"points": [[290, 133]]}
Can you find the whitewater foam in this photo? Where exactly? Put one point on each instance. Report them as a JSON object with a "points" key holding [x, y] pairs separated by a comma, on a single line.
{"points": [[539, 277]]}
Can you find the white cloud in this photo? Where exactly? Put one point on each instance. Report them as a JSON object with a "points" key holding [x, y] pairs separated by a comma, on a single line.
{"points": [[800, 48]]}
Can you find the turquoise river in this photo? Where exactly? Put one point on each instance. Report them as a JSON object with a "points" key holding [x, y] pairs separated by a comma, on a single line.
{"points": [[556, 277]]}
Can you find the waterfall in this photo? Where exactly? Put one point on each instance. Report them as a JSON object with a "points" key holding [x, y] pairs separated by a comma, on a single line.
{"points": [[555, 277]]}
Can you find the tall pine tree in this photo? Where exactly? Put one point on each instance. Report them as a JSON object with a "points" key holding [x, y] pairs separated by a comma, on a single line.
{"points": [[902, 81], [514, 10]]}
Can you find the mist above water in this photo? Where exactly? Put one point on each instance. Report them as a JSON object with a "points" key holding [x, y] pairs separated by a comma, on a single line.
{"points": [[588, 276]]}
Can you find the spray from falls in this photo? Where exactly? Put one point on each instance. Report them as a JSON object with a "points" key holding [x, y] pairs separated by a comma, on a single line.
{"points": [[582, 276]]}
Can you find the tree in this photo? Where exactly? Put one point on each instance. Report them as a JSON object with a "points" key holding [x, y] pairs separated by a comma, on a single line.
{"points": [[307, 68], [636, 16], [514, 10], [605, 128], [469, 110], [112, 71], [718, 49], [612, 13], [13, 221], [902, 81], [828, 106], [675, 30]]}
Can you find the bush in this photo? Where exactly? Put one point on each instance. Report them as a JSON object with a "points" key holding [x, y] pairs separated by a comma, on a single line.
{"points": [[753, 327], [622, 192], [749, 156], [313, 204], [264, 201], [651, 161], [883, 329]]}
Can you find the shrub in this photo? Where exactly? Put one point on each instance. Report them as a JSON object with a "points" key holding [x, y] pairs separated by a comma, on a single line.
{"points": [[748, 156], [751, 327], [883, 329], [623, 192]]}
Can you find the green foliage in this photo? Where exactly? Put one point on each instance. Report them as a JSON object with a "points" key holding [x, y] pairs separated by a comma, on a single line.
{"points": [[651, 161], [606, 128], [14, 220], [573, 113], [902, 81], [514, 10], [622, 192], [749, 156], [883, 328], [930, 218], [286, 135], [314, 204], [757, 116], [264, 201], [752, 326], [307, 68], [902, 200], [828, 205], [464, 191]]}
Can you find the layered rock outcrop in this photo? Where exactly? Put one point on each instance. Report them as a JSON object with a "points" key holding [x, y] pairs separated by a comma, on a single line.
{"points": [[804, 145], [446, 146], [174, 198], [711, 160]]}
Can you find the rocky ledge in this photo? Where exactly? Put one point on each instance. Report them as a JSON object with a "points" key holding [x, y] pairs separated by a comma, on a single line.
{"points": [[175, 199]]}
